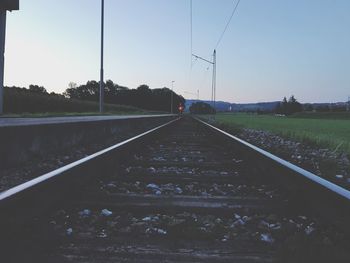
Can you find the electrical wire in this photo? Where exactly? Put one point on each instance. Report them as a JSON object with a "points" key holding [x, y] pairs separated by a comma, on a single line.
{"points": [[191, 39], [228, 22]]}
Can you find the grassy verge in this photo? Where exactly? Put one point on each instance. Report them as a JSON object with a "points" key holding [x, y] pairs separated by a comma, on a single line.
{"points": [[324, 132]]}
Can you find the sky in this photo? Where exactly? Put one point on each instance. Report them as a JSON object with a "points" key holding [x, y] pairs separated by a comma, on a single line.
{"points": [[271, 49]]}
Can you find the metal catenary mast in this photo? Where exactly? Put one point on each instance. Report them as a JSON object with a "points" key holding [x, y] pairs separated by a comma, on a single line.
{"points": [[213, 87]]}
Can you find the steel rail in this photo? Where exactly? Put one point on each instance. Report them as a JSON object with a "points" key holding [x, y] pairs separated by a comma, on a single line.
{"points": [[300, 171], [62, 170]]}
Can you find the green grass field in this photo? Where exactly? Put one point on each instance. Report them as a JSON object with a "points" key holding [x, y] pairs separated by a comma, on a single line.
{"points": [[330, 131], [323, 115]]}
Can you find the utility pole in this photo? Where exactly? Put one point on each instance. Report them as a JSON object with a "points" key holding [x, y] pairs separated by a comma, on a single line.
{"points": [[4, 7], [213, 87], [101, 69], [172, 95], [348, 104]]}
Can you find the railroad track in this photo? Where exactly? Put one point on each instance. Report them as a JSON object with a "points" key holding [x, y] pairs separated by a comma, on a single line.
{"points": [[182, 193]]}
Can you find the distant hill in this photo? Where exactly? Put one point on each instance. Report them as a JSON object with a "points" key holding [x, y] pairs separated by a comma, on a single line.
{"points": [[227, 106], [261, 106], [335, 104]]}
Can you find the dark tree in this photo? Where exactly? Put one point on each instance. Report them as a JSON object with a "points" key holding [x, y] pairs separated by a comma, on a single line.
{"points": [[201, 108], [289, 107], [294, 106], [89, 91], [37, 89]]}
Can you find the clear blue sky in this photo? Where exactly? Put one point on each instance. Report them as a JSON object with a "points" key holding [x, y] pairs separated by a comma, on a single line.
{"points": [[273, 48]]}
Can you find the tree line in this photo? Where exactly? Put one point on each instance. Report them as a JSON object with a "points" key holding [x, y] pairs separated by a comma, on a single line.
{"points": [[291, 106], [143, 97], [36, 98]]}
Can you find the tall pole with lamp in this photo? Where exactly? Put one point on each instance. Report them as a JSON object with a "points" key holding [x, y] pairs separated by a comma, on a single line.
{"points": [[101, 69]]}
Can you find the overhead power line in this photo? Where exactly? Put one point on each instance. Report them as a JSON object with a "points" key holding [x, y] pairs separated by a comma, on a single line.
{"points": [[191, 31], [213, 95], [228, 22], [191, 23]]}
